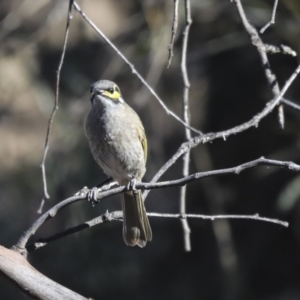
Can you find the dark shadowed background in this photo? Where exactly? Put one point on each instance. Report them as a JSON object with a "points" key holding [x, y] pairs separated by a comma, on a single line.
{"points": [[230, 259]]}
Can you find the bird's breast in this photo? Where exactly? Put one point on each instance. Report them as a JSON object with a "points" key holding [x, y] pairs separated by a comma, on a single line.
{"points": [[115, 145]]}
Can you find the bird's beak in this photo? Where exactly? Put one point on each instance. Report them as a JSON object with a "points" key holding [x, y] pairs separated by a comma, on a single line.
{"points": [[92, 93], [96, 92]]}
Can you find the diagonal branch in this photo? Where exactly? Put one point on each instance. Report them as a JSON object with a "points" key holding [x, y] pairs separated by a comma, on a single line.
{"points": [[33, 283], [51, 213], [107, 217], [132, 67]]}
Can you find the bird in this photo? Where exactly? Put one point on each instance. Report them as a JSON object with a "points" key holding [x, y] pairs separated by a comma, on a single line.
{"points": [[118, 143]]}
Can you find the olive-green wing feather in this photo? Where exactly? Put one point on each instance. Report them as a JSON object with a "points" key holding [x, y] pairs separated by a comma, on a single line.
{"points": [[143, 139]]}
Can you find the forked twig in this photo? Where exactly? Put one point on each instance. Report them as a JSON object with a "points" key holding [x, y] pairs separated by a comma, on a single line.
{"points": [[258, 43], [272, 21]]}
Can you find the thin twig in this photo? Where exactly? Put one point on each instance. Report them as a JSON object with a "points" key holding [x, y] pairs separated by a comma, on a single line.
{"points": [[209, 137], [213, 218], [272, 21], [186, 118], [55, 107], [132, 67], [282, 49], [20, 246], [118, 215], [258, 43], [290, 104], [174, 30]]}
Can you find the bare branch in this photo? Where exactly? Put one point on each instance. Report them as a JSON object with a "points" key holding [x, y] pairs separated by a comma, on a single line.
{"points": [[186, 118], [209, 137], [174, 30], [258, 43], [55, 108], [132, 67], [36, 285], [272, 21], [83, 195]]}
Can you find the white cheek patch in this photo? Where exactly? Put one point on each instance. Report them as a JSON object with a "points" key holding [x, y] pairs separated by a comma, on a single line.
{"points": [[121, 100]]}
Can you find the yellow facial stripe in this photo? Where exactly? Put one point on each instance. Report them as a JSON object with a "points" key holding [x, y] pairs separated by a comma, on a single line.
{"points": [[115, 95]]}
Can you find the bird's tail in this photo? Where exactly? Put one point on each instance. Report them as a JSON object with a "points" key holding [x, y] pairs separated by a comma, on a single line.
{"points": [[136, 227]]}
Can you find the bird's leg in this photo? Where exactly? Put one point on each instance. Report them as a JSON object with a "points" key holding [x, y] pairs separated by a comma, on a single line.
{"points": [[131, 185], [92, 195]]}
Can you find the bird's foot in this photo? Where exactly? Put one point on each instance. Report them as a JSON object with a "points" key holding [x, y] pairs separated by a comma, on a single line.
{"points": [[90, 194], [93, 193], [131, 185]]}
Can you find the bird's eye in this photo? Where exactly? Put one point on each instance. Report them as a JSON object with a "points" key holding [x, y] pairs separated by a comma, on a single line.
{"points": [[111, 90]]}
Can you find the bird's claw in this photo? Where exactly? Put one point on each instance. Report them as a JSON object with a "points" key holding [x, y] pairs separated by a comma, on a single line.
{"points": [[92, 195]]}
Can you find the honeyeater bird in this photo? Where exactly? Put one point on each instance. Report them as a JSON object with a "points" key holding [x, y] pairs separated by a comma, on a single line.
{"points": [[118, 143]]}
